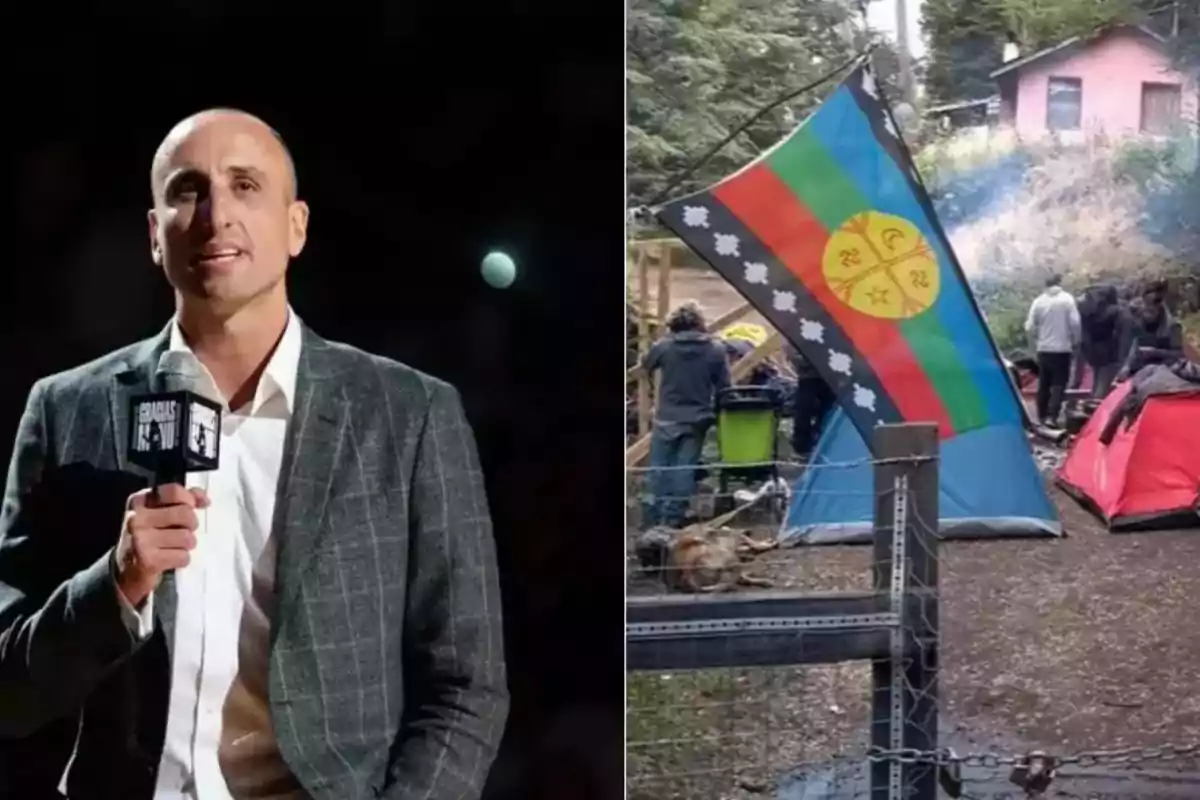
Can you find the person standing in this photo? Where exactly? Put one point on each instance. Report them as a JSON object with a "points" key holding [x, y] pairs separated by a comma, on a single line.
{"points": [[1104, 326], [811, 403], [316, 619], [1156, 336], [1053, 327], [693, 369]]}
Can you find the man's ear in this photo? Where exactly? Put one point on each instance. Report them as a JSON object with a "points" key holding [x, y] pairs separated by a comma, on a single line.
{"points": [[155, 249], [297, 227]]}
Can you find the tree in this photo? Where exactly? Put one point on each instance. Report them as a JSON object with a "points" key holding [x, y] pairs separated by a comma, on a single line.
{"points": [[965, 40], [966, 37], [697, 69], [1181, 22], [1042, 23]]}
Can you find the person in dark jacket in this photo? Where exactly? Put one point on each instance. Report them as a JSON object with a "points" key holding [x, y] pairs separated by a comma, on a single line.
{"points": [[693, 369], [1104, 329], [1156, 337], [811, 403]]}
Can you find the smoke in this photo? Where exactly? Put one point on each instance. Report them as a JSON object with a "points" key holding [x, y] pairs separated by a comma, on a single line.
{"points": [[1172, 217], [1015, 213]]}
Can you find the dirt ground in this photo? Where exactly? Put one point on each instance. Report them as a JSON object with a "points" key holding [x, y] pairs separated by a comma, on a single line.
{"points": [[1082, 643]]}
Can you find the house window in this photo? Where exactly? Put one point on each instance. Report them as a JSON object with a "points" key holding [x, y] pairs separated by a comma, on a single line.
{"points": [[1161, 103], [1064, 104]]}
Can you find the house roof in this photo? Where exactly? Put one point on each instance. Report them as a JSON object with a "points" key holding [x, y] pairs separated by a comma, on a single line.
{"points": [[1072, 42], [961, 104]]}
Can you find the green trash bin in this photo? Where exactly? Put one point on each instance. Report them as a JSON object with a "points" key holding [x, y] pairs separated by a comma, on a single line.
{"points": [[747, 434], [747, 425]]}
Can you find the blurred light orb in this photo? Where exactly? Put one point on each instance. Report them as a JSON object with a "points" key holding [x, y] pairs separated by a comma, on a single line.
{"points": [[498, 270]]}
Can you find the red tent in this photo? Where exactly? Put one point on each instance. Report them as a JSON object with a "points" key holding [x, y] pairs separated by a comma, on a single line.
{"points": [[1148, 476]]}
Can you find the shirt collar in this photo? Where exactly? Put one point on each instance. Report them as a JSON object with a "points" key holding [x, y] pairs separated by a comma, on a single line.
{"points": [[279, 376]]}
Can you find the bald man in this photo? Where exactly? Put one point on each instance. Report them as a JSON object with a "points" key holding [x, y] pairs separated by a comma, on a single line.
{"points": [[317, 618]]}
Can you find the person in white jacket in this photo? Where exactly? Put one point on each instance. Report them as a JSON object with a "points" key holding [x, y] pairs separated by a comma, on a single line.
{"points": [[1054, 331]]}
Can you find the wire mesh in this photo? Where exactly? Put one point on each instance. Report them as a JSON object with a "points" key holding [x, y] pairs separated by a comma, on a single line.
{"points": [[743, 732], [1001, 687], [794, 730]]}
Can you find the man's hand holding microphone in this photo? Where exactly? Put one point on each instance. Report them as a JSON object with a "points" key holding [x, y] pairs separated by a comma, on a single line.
{"points": [[158, 535], [172, 433]]}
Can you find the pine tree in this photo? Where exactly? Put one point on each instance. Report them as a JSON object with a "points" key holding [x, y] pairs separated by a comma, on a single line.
{"points": [[965, 44], [697, 69]]}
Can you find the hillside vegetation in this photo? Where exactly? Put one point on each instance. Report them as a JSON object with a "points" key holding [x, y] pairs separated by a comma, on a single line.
{"points": [[1107, 212]]}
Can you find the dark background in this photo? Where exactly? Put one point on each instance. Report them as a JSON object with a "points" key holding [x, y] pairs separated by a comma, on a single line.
{"points": [[421, 141]]}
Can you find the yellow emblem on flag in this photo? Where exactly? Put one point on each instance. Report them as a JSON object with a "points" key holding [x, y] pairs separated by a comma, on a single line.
{"points": [[882, 266]]}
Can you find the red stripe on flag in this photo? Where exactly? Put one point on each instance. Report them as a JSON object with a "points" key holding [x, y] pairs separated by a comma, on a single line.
{"points": [[768, 208]]}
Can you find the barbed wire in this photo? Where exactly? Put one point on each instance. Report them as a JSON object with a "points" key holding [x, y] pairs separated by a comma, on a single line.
{"points": [[793, 464]]}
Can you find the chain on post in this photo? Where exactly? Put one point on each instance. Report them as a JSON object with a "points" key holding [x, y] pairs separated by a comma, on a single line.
{"points": [[1033, 771]]}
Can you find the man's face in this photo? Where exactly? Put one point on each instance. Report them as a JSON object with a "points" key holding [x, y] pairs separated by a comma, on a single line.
{"points": [[1151, 310], [225, 222]]}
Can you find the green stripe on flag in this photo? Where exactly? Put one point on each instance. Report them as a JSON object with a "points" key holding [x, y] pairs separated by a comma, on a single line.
{"points": [[938, 355], [805, 167]]}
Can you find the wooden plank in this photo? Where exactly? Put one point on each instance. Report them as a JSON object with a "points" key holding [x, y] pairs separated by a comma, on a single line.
{"points": [[729, 317], [664, 299], [643, 387], [756, 356], [662, 241]]}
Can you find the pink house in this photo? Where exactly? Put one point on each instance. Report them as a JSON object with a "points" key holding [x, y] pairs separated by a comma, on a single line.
{"points": [[1116, 82]]}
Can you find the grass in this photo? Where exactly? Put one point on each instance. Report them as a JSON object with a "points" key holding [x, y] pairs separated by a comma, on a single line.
{"points": [[677, 724], [734, 733]]}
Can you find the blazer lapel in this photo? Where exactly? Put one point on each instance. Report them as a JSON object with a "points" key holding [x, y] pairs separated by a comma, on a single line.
{"points": [[314, 449], [138, 378]]}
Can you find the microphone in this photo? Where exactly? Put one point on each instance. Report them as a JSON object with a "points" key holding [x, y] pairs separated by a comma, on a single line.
{"points": [[175, 430]]}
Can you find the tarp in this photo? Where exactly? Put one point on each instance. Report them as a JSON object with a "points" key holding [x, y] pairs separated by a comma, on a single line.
{"points": [[1148, 476], [746, 332], [990, 488]]}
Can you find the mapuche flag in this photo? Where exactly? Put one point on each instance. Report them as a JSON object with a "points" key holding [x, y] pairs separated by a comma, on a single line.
{"points": [[831, 235]]}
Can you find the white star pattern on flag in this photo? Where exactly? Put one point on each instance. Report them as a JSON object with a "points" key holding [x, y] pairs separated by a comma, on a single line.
{"points": [[695, 216], [727, 244], [756, 272], [869, 85], [812, 331], [839, 362], [785, 301], [864, 397], [890, 126]]}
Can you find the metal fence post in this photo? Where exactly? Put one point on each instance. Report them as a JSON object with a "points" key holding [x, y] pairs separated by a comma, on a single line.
{"points": [[904, 713]]}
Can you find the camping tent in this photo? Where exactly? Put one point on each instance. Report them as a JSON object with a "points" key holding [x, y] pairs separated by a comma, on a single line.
{"points": [[990, 488], [1148, 476]]}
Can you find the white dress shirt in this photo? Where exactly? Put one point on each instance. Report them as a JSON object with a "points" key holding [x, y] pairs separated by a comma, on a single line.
{"points": [[219, 741]]}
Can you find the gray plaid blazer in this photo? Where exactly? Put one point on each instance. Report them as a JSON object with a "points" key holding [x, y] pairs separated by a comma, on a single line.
{"points": [[387, 675]]}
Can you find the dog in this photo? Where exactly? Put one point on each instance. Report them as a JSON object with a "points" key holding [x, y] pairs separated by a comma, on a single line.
{"points": [[706, 560]]}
